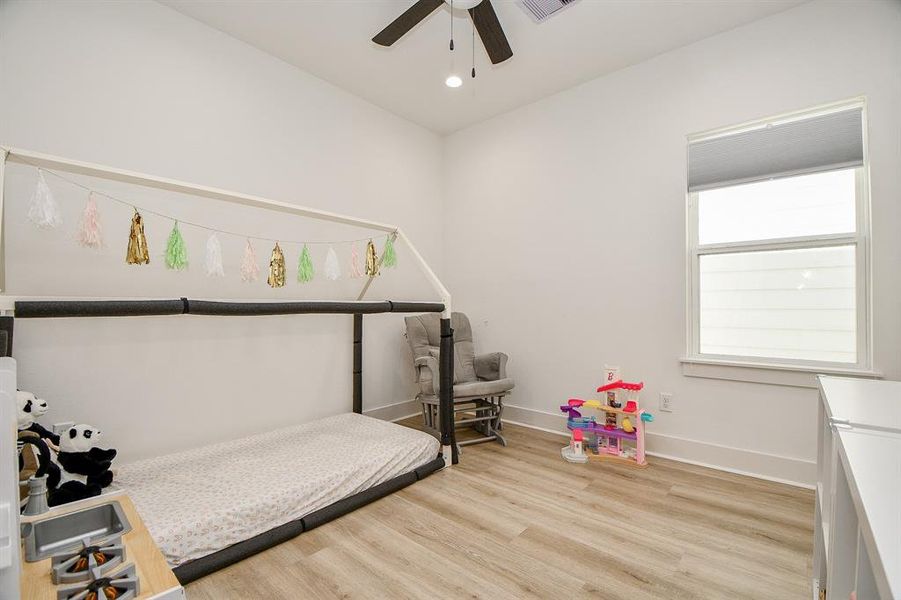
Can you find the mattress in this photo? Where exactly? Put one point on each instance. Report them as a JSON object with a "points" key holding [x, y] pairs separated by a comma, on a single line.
{"points": [[200, 501]]}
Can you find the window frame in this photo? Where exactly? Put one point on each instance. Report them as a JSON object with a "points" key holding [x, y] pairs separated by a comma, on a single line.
{"points": [[859, 239]]}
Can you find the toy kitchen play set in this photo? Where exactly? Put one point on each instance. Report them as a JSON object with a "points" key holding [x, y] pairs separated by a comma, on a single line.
{"points": [[91, 549]]}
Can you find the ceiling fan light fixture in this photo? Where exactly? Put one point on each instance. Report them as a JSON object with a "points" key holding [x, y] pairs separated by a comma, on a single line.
{"points": [[453, 81], [462, 4]]}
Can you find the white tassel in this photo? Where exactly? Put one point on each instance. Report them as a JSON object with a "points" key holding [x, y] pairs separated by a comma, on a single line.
{"points": [[44, 211], [214, 257], [332, 269], [250, 270]]}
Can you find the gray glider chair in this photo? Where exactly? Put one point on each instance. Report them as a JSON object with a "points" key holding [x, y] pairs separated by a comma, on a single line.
{"points": [[480, 382]]}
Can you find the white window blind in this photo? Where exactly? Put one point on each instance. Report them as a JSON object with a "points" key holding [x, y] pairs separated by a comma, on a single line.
{"points": [[778, 231], [810, 145]]}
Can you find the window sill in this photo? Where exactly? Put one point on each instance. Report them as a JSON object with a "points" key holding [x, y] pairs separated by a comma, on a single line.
{"points": [[769, 373]]}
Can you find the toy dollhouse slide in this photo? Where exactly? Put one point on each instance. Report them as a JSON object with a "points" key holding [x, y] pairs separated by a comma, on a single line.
{"points": [[620, 435]]}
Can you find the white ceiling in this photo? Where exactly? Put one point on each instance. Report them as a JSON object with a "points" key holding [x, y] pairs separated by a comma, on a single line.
{"points": [[331, 39]]}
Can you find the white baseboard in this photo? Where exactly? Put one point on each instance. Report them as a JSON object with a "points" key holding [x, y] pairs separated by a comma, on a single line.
{"points": [[394, 412], [402, 417], [772, 467]]}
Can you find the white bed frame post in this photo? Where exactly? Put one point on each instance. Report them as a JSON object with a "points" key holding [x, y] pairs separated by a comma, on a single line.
{"points": [[4, 154], [46, 161]]}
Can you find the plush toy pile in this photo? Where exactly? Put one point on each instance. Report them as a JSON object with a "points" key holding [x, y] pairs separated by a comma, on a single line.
{"points": [[77, 467]]}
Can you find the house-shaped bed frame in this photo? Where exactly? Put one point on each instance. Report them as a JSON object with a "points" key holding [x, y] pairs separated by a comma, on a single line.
{"points": [[28, 308]]}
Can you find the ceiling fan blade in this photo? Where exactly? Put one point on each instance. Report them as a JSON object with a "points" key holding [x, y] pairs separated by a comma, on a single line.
{"points": [[491, 32], [407, 21]]}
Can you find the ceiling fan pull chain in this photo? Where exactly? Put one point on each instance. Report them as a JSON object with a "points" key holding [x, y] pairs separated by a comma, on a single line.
{"points": [[473, 50], [452, 26]]}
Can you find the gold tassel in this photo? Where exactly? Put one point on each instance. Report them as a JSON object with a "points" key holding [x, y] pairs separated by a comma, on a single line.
{"points": [[372, 260], [276, 268], [137, 243]]}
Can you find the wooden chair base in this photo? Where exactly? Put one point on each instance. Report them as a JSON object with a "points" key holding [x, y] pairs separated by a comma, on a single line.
{"points": [[482, 414]]}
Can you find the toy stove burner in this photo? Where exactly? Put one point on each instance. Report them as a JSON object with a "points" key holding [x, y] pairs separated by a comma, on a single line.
{"points": [[74, 566], [122, 585]]}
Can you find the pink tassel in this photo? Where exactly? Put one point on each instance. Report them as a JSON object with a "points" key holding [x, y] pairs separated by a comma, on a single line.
{"points": [[356, 271], [250, 269], [90, 231]]}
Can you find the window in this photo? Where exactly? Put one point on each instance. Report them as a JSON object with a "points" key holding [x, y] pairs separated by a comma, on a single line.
{"points": [[778, 242]]}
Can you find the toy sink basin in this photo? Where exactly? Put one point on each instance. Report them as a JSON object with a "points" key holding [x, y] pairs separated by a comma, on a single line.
{"points": [[57, 534]]}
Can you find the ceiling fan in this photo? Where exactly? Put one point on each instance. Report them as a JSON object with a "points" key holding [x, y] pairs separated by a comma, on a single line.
{"points": [[483, 17]]}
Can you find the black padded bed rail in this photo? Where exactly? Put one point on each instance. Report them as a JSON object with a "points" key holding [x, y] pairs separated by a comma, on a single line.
{"points": [[210, 563], [206, 307], [37, 309]]}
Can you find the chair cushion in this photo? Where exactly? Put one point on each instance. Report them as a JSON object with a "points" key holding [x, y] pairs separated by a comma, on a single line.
{"points": [[424, 337], [482, 388]]}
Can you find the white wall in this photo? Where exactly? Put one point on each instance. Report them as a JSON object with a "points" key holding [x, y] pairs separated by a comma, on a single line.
{"points": [[139, 86], [565, 225]]}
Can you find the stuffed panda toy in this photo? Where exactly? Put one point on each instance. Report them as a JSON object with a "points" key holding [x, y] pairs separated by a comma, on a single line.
{"points": [[32, 462], [30, 408], [80, 458], [82, 470]]}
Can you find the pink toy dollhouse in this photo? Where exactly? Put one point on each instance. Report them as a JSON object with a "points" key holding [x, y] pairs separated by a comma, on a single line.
{"points": [[616, 437]]}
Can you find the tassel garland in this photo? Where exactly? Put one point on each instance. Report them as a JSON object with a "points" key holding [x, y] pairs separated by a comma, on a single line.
{"points": [[214, 266], [44, 211], [276, 268], [89, 230], [176, 251], [355, 271], [332, 268], [250, 270], [305, 266], [137, 253], [389, 257], [372, 260]]}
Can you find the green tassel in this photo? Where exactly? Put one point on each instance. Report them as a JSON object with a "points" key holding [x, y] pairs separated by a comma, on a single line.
{"points": [[389, 258], [176, 251], [305, 267]]}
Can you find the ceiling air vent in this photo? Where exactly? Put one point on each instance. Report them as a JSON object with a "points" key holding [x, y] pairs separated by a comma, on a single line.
{"points": [[541, 10]]}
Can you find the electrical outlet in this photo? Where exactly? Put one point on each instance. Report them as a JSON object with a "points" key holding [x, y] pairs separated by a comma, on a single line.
{"points": [[59, 428], [666, 402]]}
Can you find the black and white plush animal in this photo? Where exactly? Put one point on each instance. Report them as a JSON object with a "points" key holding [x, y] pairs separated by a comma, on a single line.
{"points": [[70, 491], [30, 408], [81, 459]]}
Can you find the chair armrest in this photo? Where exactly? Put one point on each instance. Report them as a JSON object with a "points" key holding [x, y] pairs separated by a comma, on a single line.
{"points": [[427, 374], [491, 366]]}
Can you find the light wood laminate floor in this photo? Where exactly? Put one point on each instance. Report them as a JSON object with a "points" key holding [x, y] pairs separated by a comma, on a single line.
{"points": [[519, 522]]}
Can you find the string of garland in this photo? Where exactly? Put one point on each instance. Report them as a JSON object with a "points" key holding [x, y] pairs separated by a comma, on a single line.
{"points": [[45, 213]]}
